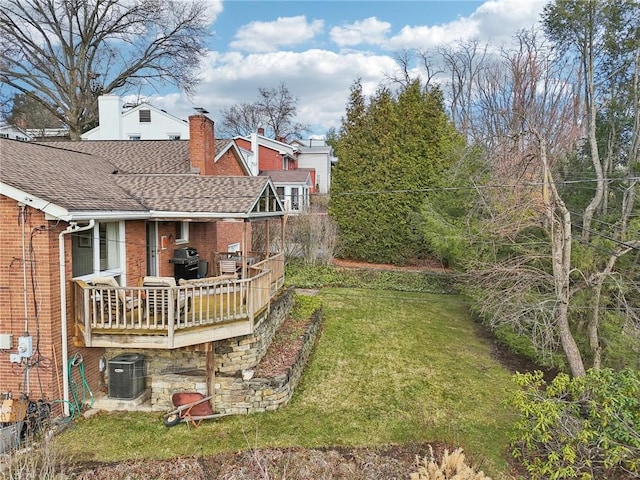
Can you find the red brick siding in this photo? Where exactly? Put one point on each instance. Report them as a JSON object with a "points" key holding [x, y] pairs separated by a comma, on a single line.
{"points": [[45, 375], [136, 251], [202, 144], [269, 159], [243, 143], [229, 165]]}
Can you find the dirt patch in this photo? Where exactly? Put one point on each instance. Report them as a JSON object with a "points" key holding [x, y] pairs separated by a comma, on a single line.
{"points": [[393, 462], [423, 265]]}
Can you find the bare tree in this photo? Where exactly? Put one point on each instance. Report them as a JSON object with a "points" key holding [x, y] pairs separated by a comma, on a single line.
{"points": [[65, 53], [524, 110], [463, 61], [274, 111]]}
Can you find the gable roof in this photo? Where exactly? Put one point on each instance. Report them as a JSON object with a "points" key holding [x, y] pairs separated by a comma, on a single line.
{"points": [[126, 110], [68, 184], [13, 131], [195, 196], [298, 176]]}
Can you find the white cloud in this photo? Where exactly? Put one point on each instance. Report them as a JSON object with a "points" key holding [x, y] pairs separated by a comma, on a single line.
{"points": [[494, 20], [370, 30], [424, 37], [320, 79], [271, 36]]}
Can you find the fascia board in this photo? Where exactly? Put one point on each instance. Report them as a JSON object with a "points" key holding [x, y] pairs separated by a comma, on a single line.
{"points": [[107, 215], [157, 215], [50, 209]]}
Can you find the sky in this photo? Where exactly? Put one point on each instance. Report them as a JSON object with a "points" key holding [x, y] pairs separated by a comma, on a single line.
{"points": [[318, 48]]}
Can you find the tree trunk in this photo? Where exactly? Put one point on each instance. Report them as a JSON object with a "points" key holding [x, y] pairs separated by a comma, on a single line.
{"points": [[559, 220]]}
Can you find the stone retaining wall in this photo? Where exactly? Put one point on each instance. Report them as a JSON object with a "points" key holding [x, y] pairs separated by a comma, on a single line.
{"points": [[184, 370], [241, 353], [235, 395]]}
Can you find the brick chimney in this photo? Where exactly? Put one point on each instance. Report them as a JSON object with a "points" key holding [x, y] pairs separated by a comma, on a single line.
{"points": [[202, 144]]}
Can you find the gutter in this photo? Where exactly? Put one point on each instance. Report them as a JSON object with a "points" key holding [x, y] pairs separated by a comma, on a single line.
{"points": [[72, 228]]}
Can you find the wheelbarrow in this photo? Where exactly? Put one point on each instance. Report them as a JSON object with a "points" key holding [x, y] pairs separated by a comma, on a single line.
{"points": [[191, 407]]}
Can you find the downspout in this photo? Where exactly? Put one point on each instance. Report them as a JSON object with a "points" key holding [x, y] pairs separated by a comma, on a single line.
{"points": [[72, 228]]}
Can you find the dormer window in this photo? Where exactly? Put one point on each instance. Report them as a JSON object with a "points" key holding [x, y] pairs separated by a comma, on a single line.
{"points": [[145, 116]]}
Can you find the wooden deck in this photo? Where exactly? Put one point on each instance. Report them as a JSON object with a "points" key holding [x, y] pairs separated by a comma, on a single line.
{"points": [[173, 317]]}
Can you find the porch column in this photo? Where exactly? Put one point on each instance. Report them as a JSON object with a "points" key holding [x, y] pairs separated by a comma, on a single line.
{"points": [[245, 250]]}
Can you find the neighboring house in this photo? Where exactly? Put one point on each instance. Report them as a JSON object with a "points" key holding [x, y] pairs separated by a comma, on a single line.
{"points": [[118, 121], [293, 187], [316, 154], [48, 134], [268, 157], [14, 133], [86, 224]]}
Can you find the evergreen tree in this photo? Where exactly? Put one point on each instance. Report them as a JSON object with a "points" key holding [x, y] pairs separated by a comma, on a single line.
{"points": [[392, 150]]}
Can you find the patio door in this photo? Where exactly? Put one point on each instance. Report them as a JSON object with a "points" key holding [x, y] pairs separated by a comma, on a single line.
{"points": [[152, 249]]}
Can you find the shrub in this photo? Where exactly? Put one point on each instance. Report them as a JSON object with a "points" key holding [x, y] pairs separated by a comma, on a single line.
{"points": [[584, 427], [452, 467]]}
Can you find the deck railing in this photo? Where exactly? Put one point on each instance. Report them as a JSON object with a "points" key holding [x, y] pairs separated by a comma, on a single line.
{"points": [[167, 311]]}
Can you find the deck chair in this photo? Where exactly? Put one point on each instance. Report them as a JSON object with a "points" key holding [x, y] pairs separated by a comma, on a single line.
{"points": [[228, 267], [117, 299], [158, 300]]}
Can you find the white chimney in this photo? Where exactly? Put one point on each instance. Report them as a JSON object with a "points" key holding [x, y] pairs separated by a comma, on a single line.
{"points": [[110, 117]]}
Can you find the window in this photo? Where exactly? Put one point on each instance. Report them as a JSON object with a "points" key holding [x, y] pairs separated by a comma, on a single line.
{"points": [[182, 232], [107, 259], [295, 201], [280, 192], [144, 116], [109, 246], [234, 247]]}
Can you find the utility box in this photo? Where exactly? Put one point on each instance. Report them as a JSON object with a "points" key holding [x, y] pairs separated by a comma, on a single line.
{"points": [[126, 376], [6, 341]]}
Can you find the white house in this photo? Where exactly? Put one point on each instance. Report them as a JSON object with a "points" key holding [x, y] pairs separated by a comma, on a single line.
{"points": [[318, 155], [14, 133], [118, 121]]}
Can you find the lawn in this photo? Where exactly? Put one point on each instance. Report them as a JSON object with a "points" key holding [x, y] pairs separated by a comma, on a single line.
{"points": [[389, 368]]}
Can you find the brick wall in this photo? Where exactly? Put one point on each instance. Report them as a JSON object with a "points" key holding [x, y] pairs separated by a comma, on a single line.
{"points": [[230, 165], [201, 144], [44, 379], [136, 248]]}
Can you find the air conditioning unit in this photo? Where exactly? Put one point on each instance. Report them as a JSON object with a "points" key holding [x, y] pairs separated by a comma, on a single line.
{"points": [[126, 376]]}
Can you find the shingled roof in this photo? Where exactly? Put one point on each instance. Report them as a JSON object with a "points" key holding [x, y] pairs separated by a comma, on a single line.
{"points": [[71, 180], [119, 180], [195, 194], [144, 156]]}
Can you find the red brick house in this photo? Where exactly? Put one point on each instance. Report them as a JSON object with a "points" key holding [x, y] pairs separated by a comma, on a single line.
{"points": [[278, 160], [74, 213]]}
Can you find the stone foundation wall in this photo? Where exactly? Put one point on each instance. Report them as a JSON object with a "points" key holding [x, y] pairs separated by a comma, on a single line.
{"points": [[235, 395], [184, 370]]}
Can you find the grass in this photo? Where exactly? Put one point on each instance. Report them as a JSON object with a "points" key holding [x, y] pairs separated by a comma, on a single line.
{"points": [[389, 368]]}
